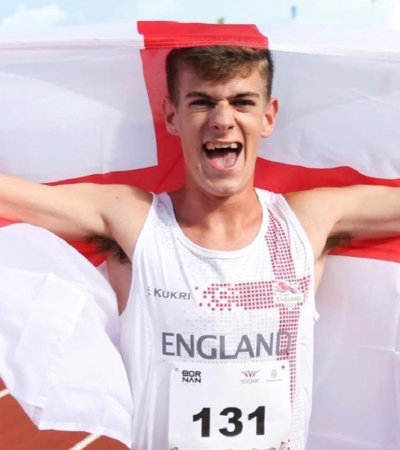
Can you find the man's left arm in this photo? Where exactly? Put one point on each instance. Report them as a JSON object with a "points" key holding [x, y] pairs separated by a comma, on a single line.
{"points": [[354, 212]]}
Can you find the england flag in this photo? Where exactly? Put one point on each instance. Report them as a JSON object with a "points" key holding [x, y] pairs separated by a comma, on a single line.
{"points": [[84, 104]]}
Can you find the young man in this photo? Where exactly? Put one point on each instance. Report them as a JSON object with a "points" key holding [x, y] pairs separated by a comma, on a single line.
{"points": [[221, 307]]}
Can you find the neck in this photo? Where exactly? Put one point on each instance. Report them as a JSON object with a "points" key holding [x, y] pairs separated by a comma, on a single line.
{"points": [[219, 223]]}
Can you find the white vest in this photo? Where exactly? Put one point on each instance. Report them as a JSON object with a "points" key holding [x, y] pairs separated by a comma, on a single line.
{"points": [[218, 344]]}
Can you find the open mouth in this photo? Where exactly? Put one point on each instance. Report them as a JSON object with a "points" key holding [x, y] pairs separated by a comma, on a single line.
{"points": [[223, 155]]}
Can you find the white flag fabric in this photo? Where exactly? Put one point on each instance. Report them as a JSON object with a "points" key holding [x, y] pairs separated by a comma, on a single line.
{"points": [[85, 104], [59, 335]]}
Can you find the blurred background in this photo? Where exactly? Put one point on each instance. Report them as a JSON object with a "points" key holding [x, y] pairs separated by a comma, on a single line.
{"points": [[28, 15]]}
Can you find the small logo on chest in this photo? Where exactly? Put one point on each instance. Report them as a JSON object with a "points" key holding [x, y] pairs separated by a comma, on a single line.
{"points": [[167, 294], [287, 294]]}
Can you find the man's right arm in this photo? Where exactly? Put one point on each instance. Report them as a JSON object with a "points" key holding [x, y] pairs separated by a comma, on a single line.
{"points": [[77, 211]]}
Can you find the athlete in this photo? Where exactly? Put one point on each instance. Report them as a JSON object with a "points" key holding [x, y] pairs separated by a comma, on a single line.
{"points": [[217, 327]]}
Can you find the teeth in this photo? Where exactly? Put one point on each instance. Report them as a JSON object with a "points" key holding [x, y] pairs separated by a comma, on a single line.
{"points": [[213, 146]]}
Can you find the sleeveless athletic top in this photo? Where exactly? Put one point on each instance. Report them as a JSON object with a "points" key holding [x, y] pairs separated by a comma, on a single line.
{"points": [[218, 344]]}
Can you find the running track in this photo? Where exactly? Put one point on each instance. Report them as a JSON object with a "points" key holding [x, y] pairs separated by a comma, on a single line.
{"points": [[17, 432]]}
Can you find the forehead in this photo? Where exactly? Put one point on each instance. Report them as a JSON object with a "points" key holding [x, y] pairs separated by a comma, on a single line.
{"points": [[189, 82]]}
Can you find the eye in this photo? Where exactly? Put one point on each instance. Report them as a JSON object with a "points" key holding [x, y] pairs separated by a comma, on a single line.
{"points": [[201, 103], [243, 103]]}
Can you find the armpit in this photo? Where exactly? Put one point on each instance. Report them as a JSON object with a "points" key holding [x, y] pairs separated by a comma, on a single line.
{"points": [[110, 247], [337, 240]]}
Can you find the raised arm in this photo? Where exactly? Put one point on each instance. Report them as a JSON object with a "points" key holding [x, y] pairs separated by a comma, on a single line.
{"points": [[331, 215], [77, 211]]}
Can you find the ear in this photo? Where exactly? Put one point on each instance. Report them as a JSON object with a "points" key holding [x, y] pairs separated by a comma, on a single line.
{"points": [[169, 111], [271, 111]]}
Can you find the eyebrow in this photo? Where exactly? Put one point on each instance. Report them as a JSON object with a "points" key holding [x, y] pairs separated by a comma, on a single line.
{"points": [[206, 96]]}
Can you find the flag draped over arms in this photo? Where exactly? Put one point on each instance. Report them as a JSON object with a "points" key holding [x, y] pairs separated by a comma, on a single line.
{"points": [[85, 105]]}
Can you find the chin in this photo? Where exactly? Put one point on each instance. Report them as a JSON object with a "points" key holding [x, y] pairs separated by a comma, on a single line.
{"points": [[225, 189]]}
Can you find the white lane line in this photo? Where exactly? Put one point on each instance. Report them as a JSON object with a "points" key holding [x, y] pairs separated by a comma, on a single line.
{"points": [[4, 392], [85, 442]]}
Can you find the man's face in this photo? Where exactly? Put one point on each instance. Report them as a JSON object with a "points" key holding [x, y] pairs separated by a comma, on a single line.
{"points": [[220, 124]]}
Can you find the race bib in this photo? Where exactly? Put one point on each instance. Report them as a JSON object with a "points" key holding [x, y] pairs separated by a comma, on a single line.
{"points": [[242, 406]]}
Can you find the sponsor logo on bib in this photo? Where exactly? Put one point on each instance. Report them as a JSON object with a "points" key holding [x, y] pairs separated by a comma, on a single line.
{"points": [[191, 376], [250, 376]]}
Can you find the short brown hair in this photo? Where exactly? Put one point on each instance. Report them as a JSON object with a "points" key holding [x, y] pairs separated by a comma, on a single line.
{"points": [[218, 62]]}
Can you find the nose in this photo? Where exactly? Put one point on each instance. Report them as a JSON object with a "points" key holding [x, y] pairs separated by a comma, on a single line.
{"points": [[221, 117]]}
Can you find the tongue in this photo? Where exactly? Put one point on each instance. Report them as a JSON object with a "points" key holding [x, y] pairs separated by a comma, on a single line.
{"points": [[222, 159]]}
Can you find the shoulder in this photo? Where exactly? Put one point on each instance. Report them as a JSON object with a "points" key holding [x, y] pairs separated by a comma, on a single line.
{"points": [[124, 208], [126, 191], [334, 205], [323, 204], [318, 211], [336, 214]]}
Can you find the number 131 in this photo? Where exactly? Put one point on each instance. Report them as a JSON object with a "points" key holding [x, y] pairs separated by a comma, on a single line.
{"points": [[234, 419]]}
